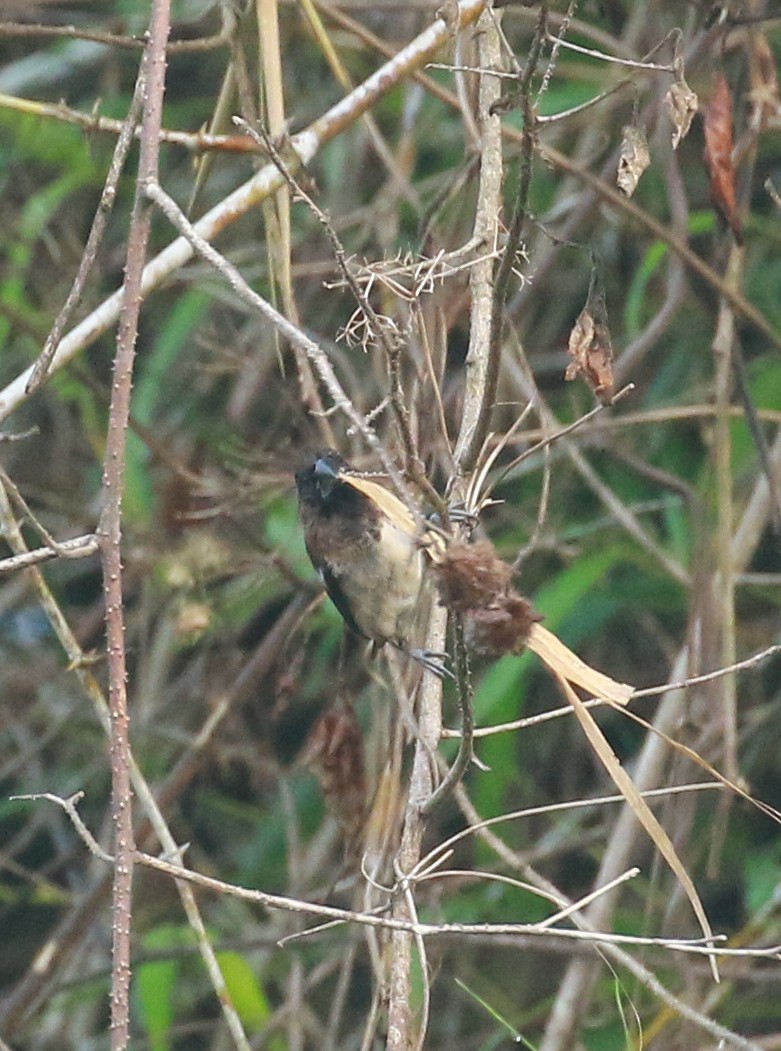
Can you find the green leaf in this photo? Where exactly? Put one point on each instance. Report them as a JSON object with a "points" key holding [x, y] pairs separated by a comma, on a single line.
{"points": [[248, 995], [155, 983], [761, 879]]}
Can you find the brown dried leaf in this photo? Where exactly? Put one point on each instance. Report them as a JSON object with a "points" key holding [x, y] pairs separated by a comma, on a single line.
{"points": [[718, 155], [682, 104], [334, 751], [635, 158], [384, 821], [591, 347]]}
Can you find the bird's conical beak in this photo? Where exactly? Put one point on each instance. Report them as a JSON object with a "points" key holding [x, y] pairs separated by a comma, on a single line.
{"points": [[327, 476]]}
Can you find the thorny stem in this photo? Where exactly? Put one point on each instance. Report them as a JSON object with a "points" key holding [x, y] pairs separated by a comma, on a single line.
{"points": [[110, 530], [71, 933]]}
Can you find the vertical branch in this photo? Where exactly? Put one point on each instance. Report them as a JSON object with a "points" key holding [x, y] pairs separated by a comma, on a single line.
{"points": [[483, 369], [724, 578], [486, 233], [400, 1026], [400, 1036], [110, 531]]}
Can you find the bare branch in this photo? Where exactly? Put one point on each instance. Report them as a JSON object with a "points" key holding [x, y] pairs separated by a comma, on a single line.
{"points": [[78, 547], [110, 530]]}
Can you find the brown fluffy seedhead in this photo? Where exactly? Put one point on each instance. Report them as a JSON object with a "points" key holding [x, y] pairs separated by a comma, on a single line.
{"points": [[501, 627], [471, 576]]}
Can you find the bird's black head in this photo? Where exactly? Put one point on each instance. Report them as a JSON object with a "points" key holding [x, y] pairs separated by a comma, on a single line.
{"points": [[319, 480]]}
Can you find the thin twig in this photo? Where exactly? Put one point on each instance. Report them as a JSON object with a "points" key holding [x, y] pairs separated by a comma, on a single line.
{"points": [[377, 327], [131, 43], [735, 298], [178, 780], [64, 550], [76, 925], [95, 238], [592, 53], [316, 354], [78, 547], [69, 806], [614, 952], [652, 691], [97, 123]]}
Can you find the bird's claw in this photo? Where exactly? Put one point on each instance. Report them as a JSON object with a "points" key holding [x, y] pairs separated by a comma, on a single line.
{"points": [[433, 662], [457, 513]]}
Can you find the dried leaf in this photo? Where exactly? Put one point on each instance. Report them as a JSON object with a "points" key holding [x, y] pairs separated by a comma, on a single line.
{"points": [[387, 501], [635, 158], [335, 754], [718, 155], [591, 347], [384, 820], [682, 104]]}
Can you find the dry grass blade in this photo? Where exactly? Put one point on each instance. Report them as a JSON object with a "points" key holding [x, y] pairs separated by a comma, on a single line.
{"points": [[568, 666], [696, 758], [642, 811], [276, 209], [395, 510]]}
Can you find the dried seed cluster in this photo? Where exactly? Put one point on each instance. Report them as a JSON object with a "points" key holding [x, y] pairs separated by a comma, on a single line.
{"points": [[473, 580]]}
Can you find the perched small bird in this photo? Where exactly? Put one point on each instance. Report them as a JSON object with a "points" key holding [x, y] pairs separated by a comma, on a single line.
{"points": [[363, 542]]}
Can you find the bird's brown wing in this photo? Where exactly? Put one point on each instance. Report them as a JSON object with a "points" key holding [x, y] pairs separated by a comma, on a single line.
{"points": [[338, 597]]}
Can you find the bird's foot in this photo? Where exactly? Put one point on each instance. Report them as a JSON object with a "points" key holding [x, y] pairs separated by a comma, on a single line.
{"points": [[433, 662], [456, 512]]}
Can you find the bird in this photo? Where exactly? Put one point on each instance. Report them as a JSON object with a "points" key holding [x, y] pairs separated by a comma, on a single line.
{"points": [[365, 545]]}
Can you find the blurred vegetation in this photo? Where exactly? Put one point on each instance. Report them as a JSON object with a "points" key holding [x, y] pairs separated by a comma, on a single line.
{"points": [[214, 555]]}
